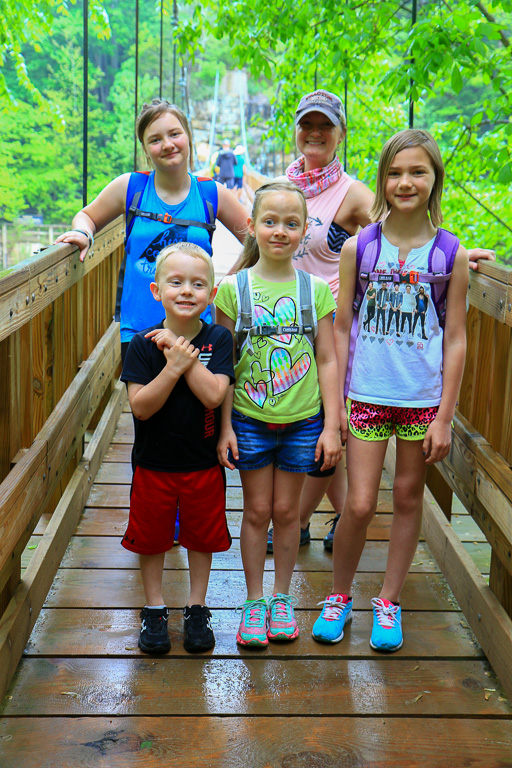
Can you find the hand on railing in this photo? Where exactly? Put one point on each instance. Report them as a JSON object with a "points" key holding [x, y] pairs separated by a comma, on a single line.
{"points": [[79, 237], [480, 253]]}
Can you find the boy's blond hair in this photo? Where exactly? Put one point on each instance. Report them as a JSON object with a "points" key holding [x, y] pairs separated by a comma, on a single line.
{"points": [[190, 249]]}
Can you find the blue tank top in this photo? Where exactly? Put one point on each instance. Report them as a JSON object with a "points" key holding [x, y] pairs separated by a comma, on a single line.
{"points": [[139, 310]]}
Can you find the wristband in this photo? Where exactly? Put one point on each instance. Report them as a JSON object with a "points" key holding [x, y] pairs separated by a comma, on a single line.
{"points": [[88, 235]]}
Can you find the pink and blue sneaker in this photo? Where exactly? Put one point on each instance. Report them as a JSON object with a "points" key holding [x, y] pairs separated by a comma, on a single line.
{"points": [[336, 612]]}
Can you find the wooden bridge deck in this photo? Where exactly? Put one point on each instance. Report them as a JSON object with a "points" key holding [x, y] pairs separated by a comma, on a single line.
{"points": [[84, 695]]}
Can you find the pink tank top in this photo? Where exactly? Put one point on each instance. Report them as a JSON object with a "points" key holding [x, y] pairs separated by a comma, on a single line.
{"points": [[314, 255]]}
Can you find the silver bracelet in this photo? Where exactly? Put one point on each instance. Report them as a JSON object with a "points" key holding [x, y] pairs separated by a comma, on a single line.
{"points": [[88, 235]]}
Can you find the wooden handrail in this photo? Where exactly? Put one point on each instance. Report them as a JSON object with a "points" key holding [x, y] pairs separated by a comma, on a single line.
{"points": [[59, 357]]}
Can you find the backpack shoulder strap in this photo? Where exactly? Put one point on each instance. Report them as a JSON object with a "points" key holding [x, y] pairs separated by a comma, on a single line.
{"points": [[442, 254], [210, 197], [307, 308], [136, 186], [367, 253], [244, 321], [440, 265]]}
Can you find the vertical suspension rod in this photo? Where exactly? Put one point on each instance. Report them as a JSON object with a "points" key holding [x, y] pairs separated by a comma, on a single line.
{"points": [[136, 102], [161, 46], [411, 101], [85, 99]]}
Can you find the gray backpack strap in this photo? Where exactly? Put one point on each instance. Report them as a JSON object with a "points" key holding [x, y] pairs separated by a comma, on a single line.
{"points": [[307, 308], [244, 321]]}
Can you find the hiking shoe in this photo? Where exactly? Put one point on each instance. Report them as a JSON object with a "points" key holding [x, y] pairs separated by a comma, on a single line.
{"points": [[328, 540], [337, 612], [281, 623], [153, 637], [254, 623], [387, 626], [198, 629], [305, 538]]}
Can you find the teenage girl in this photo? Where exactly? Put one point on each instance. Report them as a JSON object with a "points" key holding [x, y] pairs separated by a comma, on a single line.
{"points": [[407, 389], [281, 418]]}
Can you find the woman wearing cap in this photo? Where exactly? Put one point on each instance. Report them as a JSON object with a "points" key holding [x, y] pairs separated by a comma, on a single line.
{"points": [[337, 206]]}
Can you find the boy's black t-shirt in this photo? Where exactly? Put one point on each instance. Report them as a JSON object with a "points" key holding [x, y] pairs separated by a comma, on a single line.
{"points": [[182, 436]]}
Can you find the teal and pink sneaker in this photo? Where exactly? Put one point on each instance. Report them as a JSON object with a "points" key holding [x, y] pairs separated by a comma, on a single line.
{"points": [[254, 624], [281, 623]]}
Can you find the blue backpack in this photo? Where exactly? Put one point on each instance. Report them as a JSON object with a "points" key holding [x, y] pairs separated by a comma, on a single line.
{"points": [[136, 186]]}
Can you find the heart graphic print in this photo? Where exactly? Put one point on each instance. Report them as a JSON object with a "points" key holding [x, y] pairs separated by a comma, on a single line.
{"points": [[258, 394], [284, 374]]}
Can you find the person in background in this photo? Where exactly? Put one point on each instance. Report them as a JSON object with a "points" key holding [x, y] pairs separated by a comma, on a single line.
{"points": [[239, 170], [226, 162]]}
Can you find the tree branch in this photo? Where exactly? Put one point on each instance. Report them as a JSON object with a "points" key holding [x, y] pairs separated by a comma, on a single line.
{"points": [[483, 10]]}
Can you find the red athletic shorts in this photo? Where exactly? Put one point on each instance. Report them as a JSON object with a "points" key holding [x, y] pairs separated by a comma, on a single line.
{"points": [[154, 501]]}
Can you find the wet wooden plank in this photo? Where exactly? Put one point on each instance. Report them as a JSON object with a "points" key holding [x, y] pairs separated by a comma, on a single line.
{"points": [[85, 588], [299, 742], [99, 632], [194, 686], [107, 552], [118, 452]]}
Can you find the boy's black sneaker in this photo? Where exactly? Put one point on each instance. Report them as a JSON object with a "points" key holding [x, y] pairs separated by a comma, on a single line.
{"points": [[153, 636], [198, 629]]}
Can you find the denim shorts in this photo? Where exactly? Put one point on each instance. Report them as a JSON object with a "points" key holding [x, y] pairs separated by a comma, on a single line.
{"points": [[290, 447]]}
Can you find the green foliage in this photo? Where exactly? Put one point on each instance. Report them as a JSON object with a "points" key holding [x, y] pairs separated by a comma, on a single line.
{"points": [[455, 64]]}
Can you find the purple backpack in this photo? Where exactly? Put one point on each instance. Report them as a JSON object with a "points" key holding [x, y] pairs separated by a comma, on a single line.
{"points": [[440, 265]]}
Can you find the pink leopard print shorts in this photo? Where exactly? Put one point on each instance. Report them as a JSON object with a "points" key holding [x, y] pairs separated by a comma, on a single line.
{"points": [[379, 422]]}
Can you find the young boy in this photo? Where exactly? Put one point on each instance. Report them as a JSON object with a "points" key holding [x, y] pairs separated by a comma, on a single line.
{"points": [[178, 373]]}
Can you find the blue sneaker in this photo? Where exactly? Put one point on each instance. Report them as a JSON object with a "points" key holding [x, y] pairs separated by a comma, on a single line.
{"points": [[329, 539], [305, 538], [337, 611], [387, 626]]}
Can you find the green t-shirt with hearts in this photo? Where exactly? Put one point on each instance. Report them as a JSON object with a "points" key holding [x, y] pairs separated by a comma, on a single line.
{"points": [[276, 379]]}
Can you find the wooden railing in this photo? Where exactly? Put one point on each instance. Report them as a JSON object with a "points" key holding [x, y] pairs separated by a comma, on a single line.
{"points": [[478, 470], [59, 353], [59, 356]]}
